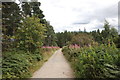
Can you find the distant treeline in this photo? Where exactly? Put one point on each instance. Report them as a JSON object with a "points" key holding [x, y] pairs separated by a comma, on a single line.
{"points": [[106, 36]]}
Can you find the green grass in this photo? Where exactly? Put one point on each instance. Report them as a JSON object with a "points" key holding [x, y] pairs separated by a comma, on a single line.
{"points": [[46, 56]]}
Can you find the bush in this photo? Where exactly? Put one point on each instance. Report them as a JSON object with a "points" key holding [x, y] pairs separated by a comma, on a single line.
{"points": [[94, 62], [16, 64]]}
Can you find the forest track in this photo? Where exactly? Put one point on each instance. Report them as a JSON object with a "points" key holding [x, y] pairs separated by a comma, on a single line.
{"points": [[56, 67]]}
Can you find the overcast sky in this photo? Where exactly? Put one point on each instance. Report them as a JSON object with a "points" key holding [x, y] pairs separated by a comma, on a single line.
{"points": [[73, 15]]}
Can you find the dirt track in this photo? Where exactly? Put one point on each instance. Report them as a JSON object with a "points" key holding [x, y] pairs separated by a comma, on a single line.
{"points": [[56, 67]]}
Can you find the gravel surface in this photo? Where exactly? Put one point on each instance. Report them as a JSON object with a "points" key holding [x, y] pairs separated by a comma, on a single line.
{"points": [[56, 67]]}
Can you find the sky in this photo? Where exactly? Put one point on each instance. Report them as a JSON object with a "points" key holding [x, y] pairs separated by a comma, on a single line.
{"points": [[75, 15]]}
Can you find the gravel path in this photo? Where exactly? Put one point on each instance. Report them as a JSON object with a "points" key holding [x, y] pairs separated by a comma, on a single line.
{"points": [[56, 67]]}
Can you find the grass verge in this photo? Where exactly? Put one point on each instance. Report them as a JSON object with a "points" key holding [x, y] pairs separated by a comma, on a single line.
{"points": [[46, 55]]}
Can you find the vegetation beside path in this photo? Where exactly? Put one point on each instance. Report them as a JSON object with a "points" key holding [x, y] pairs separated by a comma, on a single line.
{"points": [[101, 61], [21, 64], [46, 53], [24, 32]]}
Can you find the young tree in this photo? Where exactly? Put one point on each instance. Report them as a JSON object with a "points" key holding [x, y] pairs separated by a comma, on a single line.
{"points": [[97, 36], [30, 35], [106, 32]]}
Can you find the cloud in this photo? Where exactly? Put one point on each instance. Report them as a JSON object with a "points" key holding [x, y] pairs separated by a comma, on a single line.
{"points": [[76, 14], [80, 23]]}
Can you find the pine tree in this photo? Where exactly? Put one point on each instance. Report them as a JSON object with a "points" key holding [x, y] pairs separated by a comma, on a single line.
{"points": [[11, 17], [11, 21], [36, 9], [51, 38], [26, 8]]}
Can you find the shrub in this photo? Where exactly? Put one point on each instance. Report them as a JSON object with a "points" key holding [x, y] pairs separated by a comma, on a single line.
{"points": [[94, 62], [16, 64]]}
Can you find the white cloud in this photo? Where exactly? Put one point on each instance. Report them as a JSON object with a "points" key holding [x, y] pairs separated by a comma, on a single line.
{"points": [[63, 14]]}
